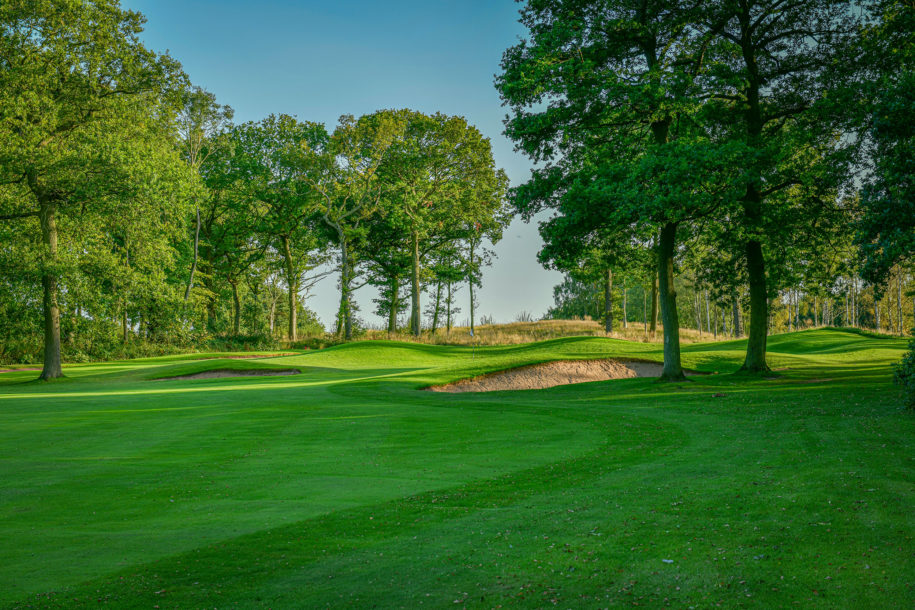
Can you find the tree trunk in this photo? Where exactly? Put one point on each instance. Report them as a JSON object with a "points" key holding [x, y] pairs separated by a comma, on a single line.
{"points": [[292, 283], [190, 281], [899, 302], [854, 302], [472, 304], [608, 301], [698, 308], [51, 368], [236, 300], [124, 323], [673, 371], [654, 305], [755, 361], [438, 304], [415, 317], [645, 309], [715, 328], [448, 312], [272, 315], [346, 324], [625, 300], [708, 315], [876, 309], [735, 312], [392, 313]]}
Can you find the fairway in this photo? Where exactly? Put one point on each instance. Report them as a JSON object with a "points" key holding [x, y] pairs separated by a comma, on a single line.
{"points": [[346, 485]]}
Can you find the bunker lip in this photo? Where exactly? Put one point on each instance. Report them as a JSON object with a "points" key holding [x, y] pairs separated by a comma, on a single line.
{"points": [[556, 373], [222, 373]]}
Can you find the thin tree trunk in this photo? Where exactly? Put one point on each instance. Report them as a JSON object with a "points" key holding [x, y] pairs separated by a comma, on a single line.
{"points": [[898, 302], [415, 317], [190, 281], [472, 304], [51, 368], [346, 324], [735, 311], [673, 371], [708, 315], [392, 312], [608, 301], [654, 305], [645, 309], [876, 309], [438, 304], [272, 315], [292, 283], [448, 309], [715, 327], [236, 300], [625, 309], [854, 302], [698, 309]]}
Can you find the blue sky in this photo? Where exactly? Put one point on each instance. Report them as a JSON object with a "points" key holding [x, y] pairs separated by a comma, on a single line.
{"points": [[318, 60]]}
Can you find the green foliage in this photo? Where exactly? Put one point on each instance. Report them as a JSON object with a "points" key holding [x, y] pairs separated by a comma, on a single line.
{"points": [[905, 375]]}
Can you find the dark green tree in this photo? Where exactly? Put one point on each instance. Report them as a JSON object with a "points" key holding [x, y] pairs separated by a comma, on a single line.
{"points": [[76, 89]]}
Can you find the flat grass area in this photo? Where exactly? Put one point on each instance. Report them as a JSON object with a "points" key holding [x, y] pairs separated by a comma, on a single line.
{"points": [[349, 486]]}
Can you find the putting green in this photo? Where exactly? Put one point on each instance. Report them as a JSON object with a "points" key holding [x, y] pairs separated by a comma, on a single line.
{"points": [[346, 484]]}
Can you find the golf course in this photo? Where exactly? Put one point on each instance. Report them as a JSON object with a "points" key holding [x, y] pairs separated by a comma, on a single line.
{"points": [[349, 485]]}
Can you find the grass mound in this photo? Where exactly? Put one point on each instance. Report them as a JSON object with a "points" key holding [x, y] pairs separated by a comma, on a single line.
{"points": [[210, 368]]}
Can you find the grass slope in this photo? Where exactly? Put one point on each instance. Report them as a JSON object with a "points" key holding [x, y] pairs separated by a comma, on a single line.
{"points": [[347, 486]]}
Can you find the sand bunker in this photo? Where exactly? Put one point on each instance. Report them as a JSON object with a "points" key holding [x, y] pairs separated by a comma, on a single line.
{"points": [[550, 374], [217, 373]]}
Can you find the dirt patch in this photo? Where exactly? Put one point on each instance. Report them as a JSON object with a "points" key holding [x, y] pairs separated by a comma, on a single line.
{"points": [[551, 374], [217, 373], [17, 370]]}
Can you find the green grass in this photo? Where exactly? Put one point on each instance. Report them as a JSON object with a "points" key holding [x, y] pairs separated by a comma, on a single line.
{"points": [[348, 486]]}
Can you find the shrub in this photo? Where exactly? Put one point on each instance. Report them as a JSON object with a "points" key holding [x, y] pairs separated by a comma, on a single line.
{"points": [[905, 375]]}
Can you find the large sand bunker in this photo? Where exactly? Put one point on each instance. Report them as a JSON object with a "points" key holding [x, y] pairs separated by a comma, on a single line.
{"points": [[217, 373], [550, 374]]}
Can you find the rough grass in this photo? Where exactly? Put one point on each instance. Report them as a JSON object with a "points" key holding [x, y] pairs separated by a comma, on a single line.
{"points": [[346, 486], [516, 333]]}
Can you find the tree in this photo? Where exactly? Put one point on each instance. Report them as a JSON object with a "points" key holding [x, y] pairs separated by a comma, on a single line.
{"points": [[200, 121], [345, 175], [75, 86], [598, 86], [886, 232], [266, 164], [767, 78], [441, 178]]}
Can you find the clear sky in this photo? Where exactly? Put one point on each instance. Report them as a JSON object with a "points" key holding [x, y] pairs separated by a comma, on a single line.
{"points": [[319, 60]]}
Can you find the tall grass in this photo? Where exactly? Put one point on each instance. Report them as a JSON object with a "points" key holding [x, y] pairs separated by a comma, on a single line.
{"points": [[515, 333]]}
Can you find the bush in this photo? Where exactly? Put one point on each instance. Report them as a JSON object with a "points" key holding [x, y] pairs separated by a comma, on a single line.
{"points": [[905, 375]]}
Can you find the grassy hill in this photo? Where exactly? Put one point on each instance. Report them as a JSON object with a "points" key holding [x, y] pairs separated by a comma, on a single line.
{"points": [[347, 485]]}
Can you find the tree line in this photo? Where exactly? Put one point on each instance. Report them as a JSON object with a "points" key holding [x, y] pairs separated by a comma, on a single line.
{"points": [[754, 154], [133, 208]]}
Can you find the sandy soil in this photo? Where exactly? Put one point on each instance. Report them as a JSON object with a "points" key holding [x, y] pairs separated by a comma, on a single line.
{"points": [[550, 374], [15, 370], [217, 373]]}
